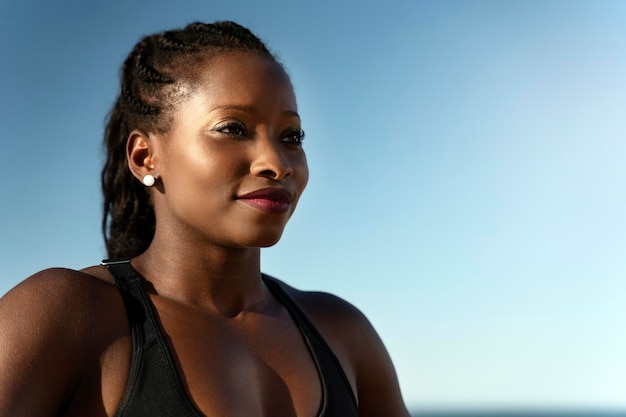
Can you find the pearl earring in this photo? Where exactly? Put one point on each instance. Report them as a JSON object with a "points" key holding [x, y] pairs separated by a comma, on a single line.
{"points": [[149, 180]]}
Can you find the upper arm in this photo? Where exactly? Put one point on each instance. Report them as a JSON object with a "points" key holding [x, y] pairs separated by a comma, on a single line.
{"points": [[378, 389], [41, 344]]}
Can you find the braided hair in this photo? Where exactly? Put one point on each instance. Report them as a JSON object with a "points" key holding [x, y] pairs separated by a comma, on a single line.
{"points": [[152, 80]]}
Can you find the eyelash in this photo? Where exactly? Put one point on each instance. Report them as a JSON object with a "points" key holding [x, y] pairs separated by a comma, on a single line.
{"points": [[228, 129], [292, 137]]}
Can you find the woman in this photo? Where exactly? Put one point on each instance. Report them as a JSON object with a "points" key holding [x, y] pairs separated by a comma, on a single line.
{"points": [[204, 167]]}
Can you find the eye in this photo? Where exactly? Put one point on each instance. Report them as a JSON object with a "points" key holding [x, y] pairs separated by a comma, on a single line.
{"points": [[232, 129], [293, 137]]}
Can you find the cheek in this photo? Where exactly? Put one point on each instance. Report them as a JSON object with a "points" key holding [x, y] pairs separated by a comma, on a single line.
{"points": [[189, 179], [303, 172], [204, 165]]}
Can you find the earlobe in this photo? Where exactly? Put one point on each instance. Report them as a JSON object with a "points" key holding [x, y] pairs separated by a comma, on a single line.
{"points": [[148, 180], [140, 155]]}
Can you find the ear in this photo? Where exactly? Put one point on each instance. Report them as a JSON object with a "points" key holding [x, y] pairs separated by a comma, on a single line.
{"points": [[140, 153]]}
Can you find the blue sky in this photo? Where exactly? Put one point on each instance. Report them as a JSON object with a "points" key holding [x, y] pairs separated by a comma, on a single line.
{"points": [[467, 174]]}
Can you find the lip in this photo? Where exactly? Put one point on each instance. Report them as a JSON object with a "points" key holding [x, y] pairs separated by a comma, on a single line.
{"points": [[270, 200]]}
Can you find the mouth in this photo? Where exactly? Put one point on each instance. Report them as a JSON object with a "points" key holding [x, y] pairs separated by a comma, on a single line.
{"points": [[270, 200]]}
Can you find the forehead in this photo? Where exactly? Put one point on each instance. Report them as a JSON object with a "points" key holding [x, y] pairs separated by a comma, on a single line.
{"points": [[231, 77]]}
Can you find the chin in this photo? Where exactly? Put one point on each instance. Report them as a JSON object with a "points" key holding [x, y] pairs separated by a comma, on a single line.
{"points": [[267, 243], [261, 235], [265, 240]]}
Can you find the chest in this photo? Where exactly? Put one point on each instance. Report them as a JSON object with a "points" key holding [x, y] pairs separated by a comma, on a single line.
{"points": [[257, 364], [173, 361]]}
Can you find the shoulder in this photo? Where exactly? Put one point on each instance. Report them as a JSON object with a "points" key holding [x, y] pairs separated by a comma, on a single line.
{"points": [[59, 301], [341, 323], [64, 279], [359, 349], [51, 325], [60, 291], [56, 289], [344, 327], [322, 305]]}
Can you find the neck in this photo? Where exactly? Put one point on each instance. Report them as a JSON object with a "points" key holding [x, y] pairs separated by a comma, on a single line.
{"points": [[226, 280]]}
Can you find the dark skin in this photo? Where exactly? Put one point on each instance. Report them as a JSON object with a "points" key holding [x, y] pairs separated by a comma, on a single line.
{"points": [[65, 345]]}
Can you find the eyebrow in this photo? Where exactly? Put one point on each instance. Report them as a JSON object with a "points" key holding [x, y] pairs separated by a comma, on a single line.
{"points": [[252, 109]]}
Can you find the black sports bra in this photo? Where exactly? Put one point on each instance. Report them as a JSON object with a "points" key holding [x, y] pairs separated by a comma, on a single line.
{"points": [[154, 388]]}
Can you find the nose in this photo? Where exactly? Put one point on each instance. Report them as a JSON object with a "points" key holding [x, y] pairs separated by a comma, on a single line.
{"points": [[270, 160]]}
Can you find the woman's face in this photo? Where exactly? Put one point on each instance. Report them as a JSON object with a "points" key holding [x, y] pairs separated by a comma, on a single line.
{"points": [[232, 167]]}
